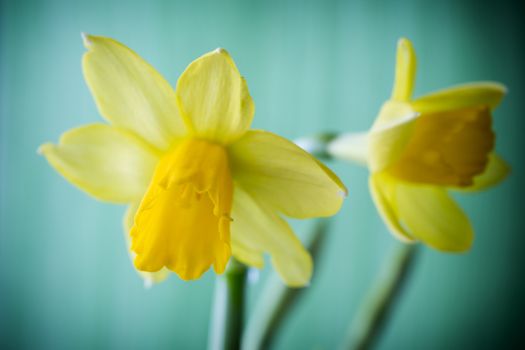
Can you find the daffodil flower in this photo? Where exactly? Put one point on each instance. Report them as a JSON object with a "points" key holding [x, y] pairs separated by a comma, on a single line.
{"points": [[419, 149], [200, 185]]}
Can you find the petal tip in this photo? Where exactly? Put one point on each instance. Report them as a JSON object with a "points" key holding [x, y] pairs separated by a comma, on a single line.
{"points": [[224, 54], [86, 39], [404, 44], [403, 41], [503, 88], [221, 51], [492, 85], [42, 149]]}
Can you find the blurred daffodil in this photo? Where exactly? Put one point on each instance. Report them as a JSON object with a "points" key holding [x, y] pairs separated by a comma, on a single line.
{"points": [[199, 184], [418, 149]]}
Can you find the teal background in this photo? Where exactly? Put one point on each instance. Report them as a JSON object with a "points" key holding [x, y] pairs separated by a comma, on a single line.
{"points": [[65, 278]]}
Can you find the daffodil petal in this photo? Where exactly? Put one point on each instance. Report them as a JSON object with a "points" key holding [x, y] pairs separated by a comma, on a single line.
{"points": [[497, 170], [279, 173], [130, 93], [384, 197], [388, 142], [405, 71], [461, 96], [259, 228], [214, 98], [351, 147], [433, 217], [250, 256], [109, 163], [150, 278]]}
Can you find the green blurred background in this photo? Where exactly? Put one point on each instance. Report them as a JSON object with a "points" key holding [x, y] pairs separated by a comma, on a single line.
{"points": [[65, 278]]}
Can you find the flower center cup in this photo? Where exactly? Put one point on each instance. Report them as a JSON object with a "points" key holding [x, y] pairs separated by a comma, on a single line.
{"points": [[447, 148], [183, 222]]}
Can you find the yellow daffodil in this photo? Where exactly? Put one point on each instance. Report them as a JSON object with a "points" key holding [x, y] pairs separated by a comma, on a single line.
{"points": [[418, 149], [200, 185]]}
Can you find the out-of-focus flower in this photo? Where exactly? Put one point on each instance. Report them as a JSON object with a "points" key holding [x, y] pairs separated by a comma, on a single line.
{"points": [[190, 169], [418, 149]]}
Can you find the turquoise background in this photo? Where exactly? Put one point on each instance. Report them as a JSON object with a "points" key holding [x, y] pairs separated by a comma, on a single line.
{"points": [[65, 278]]}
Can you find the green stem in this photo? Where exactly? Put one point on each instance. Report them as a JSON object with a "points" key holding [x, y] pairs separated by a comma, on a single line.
{"points": [[317, 145], [277, 299], [228, 308], [371, 318]]}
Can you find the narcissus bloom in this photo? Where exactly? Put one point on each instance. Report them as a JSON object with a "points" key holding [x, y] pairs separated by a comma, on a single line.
{"points": [[199, 184], [418, 149]]}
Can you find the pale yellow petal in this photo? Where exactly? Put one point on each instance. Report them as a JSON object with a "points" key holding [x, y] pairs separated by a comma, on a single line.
{"points": [[433, 217], [150, 278], [392, 113], [214, 98], [109, 163], [130, 93], [388, 142], [496, 171], [461, 96], [405, 71], [279, 173], [352, 147], [261, 229], [246, 255], [383, 195]]}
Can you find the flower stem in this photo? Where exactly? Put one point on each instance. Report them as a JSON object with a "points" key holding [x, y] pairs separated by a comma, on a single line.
{"points": [[374, 312], [317, 145], [277, 299], [228, 308]]}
